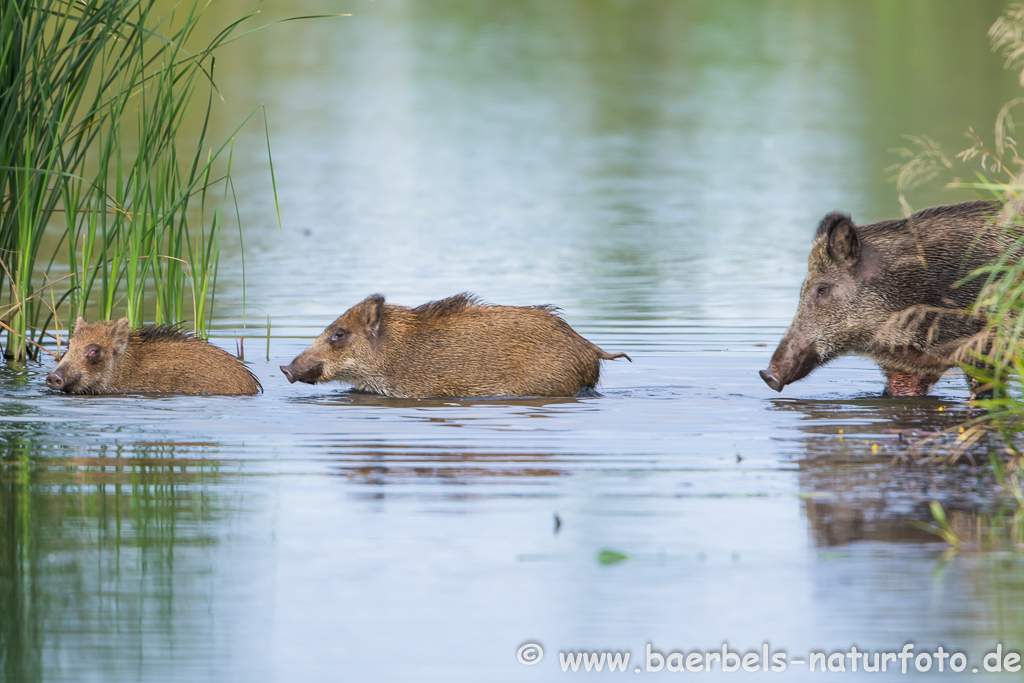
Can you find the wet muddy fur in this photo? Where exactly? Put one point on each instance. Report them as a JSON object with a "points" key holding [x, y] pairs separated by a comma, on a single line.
{"points": [[111, 358], [459, 347]]}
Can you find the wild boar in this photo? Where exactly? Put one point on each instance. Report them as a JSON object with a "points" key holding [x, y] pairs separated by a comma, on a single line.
{"points": [[111, 358], [894, 291], [453, 347]]}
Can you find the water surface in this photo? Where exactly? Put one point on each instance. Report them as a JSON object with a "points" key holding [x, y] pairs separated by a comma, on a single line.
{"points": [[656, 170]]}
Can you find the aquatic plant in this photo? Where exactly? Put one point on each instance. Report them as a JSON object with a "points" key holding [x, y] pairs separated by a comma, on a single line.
{"points": [[994, 168], [1001, 530], [107, 199]]}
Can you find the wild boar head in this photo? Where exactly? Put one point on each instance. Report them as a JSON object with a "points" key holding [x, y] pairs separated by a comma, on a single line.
{"points": [[346, 351], [92, 356], [838, 312]]}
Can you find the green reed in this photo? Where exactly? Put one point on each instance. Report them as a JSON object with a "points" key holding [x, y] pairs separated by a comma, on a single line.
{"points": [[94, 98], [996, 169]]}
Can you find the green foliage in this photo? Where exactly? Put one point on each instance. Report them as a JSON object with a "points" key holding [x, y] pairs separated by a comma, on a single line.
{"points": [[995, 170], [942, 528], [996, 358], [94, 157]]}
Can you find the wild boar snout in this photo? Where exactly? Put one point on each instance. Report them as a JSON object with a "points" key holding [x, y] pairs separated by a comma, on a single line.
{"points": [[55, 380], [308, 373], [770, 379], [788, 366]]}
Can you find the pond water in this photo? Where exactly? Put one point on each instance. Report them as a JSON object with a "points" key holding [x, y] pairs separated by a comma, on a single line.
{"points": [[656, 170]]}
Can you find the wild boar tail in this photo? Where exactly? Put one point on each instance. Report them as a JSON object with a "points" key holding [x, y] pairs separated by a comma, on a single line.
{"points": [[604, 355]]}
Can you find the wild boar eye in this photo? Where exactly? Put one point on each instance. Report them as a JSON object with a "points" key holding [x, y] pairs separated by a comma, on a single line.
{"points": [[339, 335], [823, 291], [92, 353]]}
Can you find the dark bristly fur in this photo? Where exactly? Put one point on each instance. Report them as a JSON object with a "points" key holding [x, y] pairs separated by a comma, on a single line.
{"points": [[446, 307], [894, 291], [457, 346], [111, 358], [148, 333]]}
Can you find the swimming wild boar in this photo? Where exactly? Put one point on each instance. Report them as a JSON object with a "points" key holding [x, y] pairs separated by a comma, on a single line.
{"points": [[111, 358], [894, 291], [453, 347]]}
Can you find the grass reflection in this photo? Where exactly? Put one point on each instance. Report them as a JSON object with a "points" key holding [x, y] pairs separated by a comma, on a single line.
{"points": [[94, 549]]}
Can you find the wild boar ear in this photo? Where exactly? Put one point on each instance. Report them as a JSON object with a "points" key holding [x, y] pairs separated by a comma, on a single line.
{"points": [[122, 330], [842, 242], [80, 323], [370, 312]]}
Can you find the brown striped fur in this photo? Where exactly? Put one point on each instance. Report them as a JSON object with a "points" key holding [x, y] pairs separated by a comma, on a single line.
{"points": [[896, 291]]}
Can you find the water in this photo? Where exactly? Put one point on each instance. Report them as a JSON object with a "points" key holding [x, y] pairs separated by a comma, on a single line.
{"points": [[656, 170]]}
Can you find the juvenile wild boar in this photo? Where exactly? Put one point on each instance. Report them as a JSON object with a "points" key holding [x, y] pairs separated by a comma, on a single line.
{"points": [[453, 347], [890, 291], [111, 358]]}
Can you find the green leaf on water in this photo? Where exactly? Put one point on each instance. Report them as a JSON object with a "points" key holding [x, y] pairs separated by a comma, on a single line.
{"points": [[611, 557], [939, 514]]}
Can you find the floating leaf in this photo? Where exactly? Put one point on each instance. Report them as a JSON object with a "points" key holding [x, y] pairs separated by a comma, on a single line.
{"points": [[611, 557]]}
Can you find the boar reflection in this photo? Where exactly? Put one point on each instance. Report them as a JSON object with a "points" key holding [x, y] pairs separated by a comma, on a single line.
{"points": [[863, 485]]}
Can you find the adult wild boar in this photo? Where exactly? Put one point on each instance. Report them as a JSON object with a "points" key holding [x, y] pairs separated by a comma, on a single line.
{"points": [[893, 291], [111, 358], [453, 347]]}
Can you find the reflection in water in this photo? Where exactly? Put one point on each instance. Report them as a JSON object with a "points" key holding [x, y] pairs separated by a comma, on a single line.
{"points": [[380, 464], [380, 468], [359, 398], [103, 554], [860, 480]]}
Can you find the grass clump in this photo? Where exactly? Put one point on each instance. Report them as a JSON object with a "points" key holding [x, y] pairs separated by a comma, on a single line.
{"points": [[994, 168], [107, 198]]}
